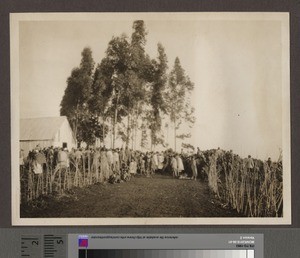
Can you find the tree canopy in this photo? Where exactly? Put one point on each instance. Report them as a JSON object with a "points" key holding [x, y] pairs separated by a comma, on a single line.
{"points": [[74, 103], [127, 95], [178, 99]]}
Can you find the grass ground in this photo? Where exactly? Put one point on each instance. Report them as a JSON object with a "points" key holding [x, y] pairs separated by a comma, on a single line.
{"points": [[157, 196]]}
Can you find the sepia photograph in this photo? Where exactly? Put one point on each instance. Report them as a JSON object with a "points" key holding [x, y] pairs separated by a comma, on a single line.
{"points": [[150, 118]]}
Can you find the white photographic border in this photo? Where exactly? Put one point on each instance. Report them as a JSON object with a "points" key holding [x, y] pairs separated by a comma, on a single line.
{"points": [[16, 18]]}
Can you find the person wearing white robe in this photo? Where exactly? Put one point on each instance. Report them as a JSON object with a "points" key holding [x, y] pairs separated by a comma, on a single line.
{"points": [[116, 162], [132, 167], [95, 164], [174, 166], [154, 162], [110, 158], [104, 166], [161, 161], [194, 168], [180, 166]]}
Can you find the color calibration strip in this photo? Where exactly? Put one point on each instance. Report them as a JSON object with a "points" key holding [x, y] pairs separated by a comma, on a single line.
{"points": [[97, 253]]}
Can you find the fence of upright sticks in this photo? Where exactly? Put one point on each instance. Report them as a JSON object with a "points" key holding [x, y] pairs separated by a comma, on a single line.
{"points": [[60, 178], [256, 193]]}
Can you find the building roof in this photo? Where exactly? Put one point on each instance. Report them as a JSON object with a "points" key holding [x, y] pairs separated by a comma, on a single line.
{"points": [[43, 128]]}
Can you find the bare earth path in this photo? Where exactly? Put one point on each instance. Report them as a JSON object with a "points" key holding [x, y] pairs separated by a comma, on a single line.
{"points": [[158, 196]]}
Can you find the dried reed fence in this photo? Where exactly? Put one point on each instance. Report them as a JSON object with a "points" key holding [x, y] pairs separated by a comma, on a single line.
{"points": [[255, 193], [60, 179]]}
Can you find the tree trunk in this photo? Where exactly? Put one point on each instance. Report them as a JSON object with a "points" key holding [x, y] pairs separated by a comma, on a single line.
{"points": [[175, 134], [168, 136], [114, 128], [135, 133], [76, 123], [115, 124], [133, 122], [132, 143], [103, 132], [111, 133], [128, 131]]}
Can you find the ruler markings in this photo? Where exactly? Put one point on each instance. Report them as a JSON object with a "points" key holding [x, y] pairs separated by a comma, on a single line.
{"points": [[31, 246], [48, 246]]}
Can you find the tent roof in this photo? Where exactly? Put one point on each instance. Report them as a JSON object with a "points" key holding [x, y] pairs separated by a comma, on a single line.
{"points": [[43, 128]]}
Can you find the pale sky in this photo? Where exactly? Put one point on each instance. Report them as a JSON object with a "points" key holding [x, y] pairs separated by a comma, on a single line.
{"points": [[236, 67]]}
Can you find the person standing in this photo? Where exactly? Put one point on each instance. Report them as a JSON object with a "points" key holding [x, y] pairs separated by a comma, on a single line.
{"points": [[104, 166], [142, 164], [269, 163], [116, 161], [174, 166], [95, 164], [160, 162], [110, 158], [194, 168], [166, 162], [78, 158], [180, 166], [218, 152], [132, 167], [154, 162], [249, 164], [127, 155]]}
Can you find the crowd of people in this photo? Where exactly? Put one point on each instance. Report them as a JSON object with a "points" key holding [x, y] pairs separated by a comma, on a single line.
{"points": [[106, 163], [53, 169], [120, 164], [113, 164]]}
